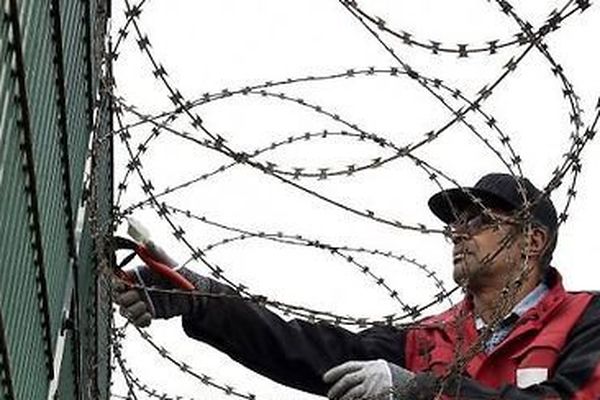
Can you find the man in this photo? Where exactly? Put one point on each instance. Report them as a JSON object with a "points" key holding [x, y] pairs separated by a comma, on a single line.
{"points": [[517, 334]]}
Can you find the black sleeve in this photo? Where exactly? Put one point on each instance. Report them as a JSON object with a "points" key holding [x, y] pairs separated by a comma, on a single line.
{"points": [[295, 353], [577, 374]]}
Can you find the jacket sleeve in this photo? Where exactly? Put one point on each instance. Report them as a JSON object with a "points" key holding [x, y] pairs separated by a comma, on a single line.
{"points": [[295, 353], [576, 376]]}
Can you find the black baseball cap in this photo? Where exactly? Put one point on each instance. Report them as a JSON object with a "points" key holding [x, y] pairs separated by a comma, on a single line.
{"points": [[495, 190]]}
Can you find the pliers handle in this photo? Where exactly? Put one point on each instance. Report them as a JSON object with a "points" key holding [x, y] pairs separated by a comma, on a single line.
{"points": [[152, 260]]}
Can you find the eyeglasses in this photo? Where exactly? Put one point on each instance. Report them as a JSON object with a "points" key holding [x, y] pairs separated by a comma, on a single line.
{"points": [[471, 223]]}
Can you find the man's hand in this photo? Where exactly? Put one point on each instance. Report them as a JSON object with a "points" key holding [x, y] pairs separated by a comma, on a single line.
{"points": [[366, 380], [131, 304], [140, 306]]}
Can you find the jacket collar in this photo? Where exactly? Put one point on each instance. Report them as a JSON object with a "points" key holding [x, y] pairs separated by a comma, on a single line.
{"points": [[554, 296]]}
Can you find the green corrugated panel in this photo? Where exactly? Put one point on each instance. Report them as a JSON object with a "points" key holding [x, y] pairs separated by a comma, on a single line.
{"points": [[6, 93], [39, 52], [18, 299], [20, 306], [78, 113], [5, 96], [18, 287]]}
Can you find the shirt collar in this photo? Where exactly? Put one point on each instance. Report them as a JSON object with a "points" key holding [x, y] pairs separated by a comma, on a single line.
{"points": [[531, 300], [527, 303]]}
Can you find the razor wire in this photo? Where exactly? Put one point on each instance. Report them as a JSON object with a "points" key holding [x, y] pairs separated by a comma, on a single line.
{"points": [[291, 176]]}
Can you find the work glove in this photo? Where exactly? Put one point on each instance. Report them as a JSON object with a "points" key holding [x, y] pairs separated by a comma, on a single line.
{"points": [[141, 305], [376, 379]]}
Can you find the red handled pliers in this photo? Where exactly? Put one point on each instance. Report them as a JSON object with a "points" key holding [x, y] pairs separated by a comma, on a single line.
{"points": [[152, 260]]}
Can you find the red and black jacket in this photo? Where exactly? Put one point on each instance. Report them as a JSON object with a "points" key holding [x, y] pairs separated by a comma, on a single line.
{"points": [[558, 340]]}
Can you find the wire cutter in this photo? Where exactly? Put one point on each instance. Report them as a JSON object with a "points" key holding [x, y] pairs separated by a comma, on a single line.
{"points": [[152, 255]]}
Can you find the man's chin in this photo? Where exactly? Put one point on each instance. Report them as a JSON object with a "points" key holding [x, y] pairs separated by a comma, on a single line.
{"points": [[464, 275], [460, 274]]}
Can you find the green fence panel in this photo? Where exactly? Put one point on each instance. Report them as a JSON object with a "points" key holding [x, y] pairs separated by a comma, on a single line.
{"points": [[39, 51], [19, 303], [49, 69], [79, 116]]}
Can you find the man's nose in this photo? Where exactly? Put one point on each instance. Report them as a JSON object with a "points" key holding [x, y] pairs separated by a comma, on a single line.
{"points": [[458, 236]]}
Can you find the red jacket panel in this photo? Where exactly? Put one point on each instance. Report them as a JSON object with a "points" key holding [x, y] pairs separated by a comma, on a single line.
{"points": [[530, 355], [535, 342]]}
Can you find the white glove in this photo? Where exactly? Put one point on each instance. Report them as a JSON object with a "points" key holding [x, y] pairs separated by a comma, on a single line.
{"points": [[365, 379]]}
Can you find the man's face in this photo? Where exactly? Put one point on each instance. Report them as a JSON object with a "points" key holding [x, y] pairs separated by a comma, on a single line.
{"points": [[487, 247]]}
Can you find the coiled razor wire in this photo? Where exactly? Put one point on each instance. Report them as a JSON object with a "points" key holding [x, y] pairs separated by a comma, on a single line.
{"points": [[496, 140]]}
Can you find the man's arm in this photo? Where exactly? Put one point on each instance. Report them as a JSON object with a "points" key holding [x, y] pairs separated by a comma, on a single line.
{"points": [[577, 373], [294, 353]]}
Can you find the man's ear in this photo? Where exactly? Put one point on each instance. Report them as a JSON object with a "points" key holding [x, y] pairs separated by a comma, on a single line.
{"points": [[538, 241]]}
